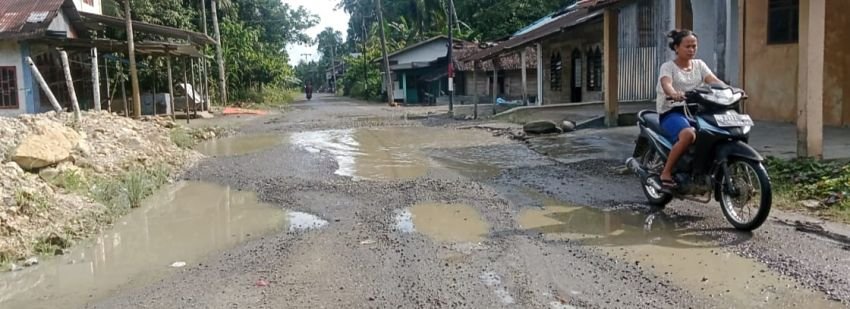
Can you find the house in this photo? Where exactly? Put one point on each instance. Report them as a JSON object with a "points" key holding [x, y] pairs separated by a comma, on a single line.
{"points": [[420, 71], [796, 65], [509, 76], [39, 29], [21, 23]]}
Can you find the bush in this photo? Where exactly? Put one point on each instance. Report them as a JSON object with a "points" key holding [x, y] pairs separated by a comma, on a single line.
{"points": [[182, 138], [825, 181]]}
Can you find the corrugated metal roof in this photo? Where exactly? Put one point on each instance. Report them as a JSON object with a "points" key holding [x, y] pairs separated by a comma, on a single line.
{"points": [[567, 20], [25, 18]]}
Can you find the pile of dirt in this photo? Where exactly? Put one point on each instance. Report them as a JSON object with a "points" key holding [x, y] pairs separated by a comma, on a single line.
{"points": [[36, 210]]}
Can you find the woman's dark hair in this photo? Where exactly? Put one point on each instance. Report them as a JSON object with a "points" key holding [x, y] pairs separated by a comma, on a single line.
{"points": [[677, 36]]}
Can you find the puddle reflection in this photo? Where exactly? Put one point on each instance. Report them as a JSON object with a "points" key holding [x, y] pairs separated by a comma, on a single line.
{"points": [[387, 153], [183, 222], [690, 258], [443, 222]]}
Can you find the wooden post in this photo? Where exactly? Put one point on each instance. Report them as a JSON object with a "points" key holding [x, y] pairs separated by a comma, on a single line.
{"points": [[95, 78], [475, 89], [153, 93], [124, 94], [539, 74], [387, 73], [186, 87], [810, 79], [69, 81], [44, 86], [612, 104], [403, 87], [131, 53], [524, 78], [495, 85], [206, 90], [222, 82], [170, 87], [106, 78], [194, 82]]}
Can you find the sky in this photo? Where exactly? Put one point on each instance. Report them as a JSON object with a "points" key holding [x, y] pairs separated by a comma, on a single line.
{"points": [[328, 17]]}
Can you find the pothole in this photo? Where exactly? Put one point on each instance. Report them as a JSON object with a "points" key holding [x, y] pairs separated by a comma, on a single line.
{"points": [[451, 223], [689, 258], [179, 225], [394, 153]]}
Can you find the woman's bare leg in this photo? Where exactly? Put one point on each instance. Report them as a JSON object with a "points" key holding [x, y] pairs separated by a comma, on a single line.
{"points": [[686, 138]]}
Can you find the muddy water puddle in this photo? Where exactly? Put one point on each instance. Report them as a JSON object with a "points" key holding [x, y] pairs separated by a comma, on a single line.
{"points": [[179, 225], [453, 223], [689, 259], [393, 153], [238, 145]]}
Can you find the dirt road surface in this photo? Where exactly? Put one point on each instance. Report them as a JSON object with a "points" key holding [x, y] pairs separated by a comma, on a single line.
{"points": [[383, 207]]}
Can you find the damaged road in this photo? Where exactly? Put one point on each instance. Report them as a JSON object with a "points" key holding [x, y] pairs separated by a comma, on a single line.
{"points": [[395, 207]]}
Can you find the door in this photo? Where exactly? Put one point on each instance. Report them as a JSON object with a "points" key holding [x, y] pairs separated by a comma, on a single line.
{"points": [[575, 82]]}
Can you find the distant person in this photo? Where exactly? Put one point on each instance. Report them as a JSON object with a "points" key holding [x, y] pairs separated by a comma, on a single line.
{"points": [[309, 90]]}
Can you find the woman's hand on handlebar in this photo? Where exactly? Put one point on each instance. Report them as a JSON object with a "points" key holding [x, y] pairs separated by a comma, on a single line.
{"points": [[677, 97]]}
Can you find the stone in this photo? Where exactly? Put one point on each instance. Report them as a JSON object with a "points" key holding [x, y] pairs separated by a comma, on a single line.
{"points": [[48, 174], [811, 204], [52, 145], [31, 262], [568, 126], [541, 127], [83, 148]]}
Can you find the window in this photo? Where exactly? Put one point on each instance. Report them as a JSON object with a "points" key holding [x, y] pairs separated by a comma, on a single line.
{"points": [[8, 88], [89, 2], [645, 25], [555, 69], [594, 69], [783, 21]]}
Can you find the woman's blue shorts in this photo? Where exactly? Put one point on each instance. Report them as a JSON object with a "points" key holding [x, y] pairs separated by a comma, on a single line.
{"points": [[674, 122]]}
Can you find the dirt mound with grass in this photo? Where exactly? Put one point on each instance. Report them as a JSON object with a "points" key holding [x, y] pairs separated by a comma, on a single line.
{"points": [[60, 181]]}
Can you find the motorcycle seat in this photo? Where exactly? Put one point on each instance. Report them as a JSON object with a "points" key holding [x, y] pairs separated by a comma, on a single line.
{"points": [[652, 121]]}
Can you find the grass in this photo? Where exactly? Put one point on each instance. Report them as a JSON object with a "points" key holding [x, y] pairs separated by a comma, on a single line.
{"points": [[32, 201], [827, 182], [182, 138]]}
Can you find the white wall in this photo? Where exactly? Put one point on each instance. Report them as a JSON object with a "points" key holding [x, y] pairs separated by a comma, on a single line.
{"points": [[424, 53], [707, 22], [83, 7], [62, 23], [10, 55]]}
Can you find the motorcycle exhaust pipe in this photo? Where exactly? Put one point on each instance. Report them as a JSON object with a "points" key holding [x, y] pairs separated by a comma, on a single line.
{"points": [[635, 167]]}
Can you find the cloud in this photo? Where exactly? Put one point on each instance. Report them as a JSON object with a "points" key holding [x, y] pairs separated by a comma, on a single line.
{"points": [[328, 17]]}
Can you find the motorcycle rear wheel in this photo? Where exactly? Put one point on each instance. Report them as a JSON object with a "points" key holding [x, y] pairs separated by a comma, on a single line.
{"points": [[652, 161], [735, 205]]}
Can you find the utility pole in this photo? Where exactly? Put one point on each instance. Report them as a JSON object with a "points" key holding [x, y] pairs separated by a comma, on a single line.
{"points": [[333, 65], [222, 83], [365, 60], [205, 91], [131, 53], [387, 74], [451, 73]]}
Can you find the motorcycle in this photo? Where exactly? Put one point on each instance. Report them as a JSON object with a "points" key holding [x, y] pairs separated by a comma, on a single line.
{"points": [[720, 163]]}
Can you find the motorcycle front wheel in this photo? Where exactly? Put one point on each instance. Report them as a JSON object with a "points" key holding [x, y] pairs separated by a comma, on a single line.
{"points": [[745, 196]]}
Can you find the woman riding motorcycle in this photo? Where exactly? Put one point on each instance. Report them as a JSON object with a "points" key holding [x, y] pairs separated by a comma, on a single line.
{"points": [[678, 76]]}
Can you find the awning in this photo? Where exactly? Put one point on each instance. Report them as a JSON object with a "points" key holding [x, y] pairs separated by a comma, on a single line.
{"points": [[142, 48], [568, 20], [95, 20]]}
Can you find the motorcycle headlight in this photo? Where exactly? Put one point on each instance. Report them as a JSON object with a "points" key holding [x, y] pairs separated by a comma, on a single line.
{"points": [[747, 129]]}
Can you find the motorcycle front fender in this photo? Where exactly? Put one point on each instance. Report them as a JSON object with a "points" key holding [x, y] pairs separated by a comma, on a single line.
{"points": [[737, 149]]}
